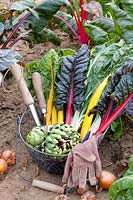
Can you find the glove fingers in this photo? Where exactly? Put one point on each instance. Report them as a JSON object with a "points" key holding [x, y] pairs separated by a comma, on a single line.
{"points": [[92, 177], [70, 181], [75, 175], [83, 176], [98, 167], [67, 168]]}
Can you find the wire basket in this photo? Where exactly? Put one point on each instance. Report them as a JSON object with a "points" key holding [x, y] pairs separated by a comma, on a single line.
{"points": [[50, 162]]}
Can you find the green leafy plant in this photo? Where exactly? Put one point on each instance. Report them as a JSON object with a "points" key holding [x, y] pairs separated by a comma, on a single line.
{"points": [[104, 61], [43, 67], [31, 17], [123, 187], [70, 86], [73, 22], [115, 27], [117, 99]]}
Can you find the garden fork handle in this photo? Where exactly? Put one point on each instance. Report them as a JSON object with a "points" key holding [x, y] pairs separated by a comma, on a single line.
{"points": [[18, 75]]}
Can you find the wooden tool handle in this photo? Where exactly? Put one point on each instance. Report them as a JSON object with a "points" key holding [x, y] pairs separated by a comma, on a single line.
{"points": [[37, 83], [46, 186], [18, 75]]}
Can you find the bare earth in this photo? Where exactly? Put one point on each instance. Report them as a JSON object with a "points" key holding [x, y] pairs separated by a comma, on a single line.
{"points": [[113, 155]]}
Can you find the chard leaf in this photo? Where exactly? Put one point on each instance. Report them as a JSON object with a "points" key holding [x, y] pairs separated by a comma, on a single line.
{"points": [[41, 37], [119, 88], [71, 79], [70, 20], [45, 9], [104, 61], [22, 5], [103, 4], [96, 33], [66, 52], [123, 88], [117, 129], [43, 67], [100, 30], [8, 57], [123, 23], [105, 23], [127, 5], [37, 20], [123, 187]]}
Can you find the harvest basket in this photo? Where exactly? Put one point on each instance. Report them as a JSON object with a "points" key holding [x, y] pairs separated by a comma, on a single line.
{"points": [[50, 162]]}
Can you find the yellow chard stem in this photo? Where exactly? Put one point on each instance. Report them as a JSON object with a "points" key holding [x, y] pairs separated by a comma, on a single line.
{"points": [[93, 102], [60, 116], [54, 115], [50, 100]]}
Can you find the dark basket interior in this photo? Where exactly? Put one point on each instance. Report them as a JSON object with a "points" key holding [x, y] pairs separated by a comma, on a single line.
{"points": [[49, 162]]}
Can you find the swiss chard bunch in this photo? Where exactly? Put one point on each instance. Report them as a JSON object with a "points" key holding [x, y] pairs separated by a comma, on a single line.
{"points": [[117, 98], [71, 82]]}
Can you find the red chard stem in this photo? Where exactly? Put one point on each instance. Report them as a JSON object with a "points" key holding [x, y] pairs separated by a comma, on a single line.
{"points": [[114, 115], [70, 102], [15, 30]]}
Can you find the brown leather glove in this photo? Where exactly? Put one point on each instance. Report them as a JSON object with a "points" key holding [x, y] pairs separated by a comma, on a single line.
{"points": [[83, 163]]}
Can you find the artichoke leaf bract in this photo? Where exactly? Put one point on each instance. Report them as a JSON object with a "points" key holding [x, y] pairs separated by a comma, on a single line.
{"points": [[71, 85]]}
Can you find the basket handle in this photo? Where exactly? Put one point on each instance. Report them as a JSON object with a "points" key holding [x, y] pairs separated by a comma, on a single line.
{"points": [[17, 150]]}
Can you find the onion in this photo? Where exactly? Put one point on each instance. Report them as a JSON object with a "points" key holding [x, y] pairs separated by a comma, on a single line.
{"points": [[9, 156], [3, 166], [106, 179]]}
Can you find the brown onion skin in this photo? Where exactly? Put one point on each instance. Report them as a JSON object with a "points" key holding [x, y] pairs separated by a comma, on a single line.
{"points": [[3, 166], [9, 156], [106, 179]]}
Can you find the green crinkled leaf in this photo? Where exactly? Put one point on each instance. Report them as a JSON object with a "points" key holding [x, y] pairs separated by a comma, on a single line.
{"points": [[66, 52], [45, 9], [71, 78], [96, 33], [40, 13], [127, 5], [123, 22], [41, 37], [8, 58], [120, 185], [22, 5], [103, 4], [43, 67], [123, 187], [104, 61], [104, 23]]}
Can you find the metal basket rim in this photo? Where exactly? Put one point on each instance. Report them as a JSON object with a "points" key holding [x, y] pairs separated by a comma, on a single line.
{"points": [[22, 138]]}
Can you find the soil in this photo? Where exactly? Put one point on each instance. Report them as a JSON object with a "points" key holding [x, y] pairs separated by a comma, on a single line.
{"points": [[114, 154]]}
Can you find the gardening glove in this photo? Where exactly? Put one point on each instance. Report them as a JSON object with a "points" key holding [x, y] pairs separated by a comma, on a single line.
{"points": [[83, 163]]}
